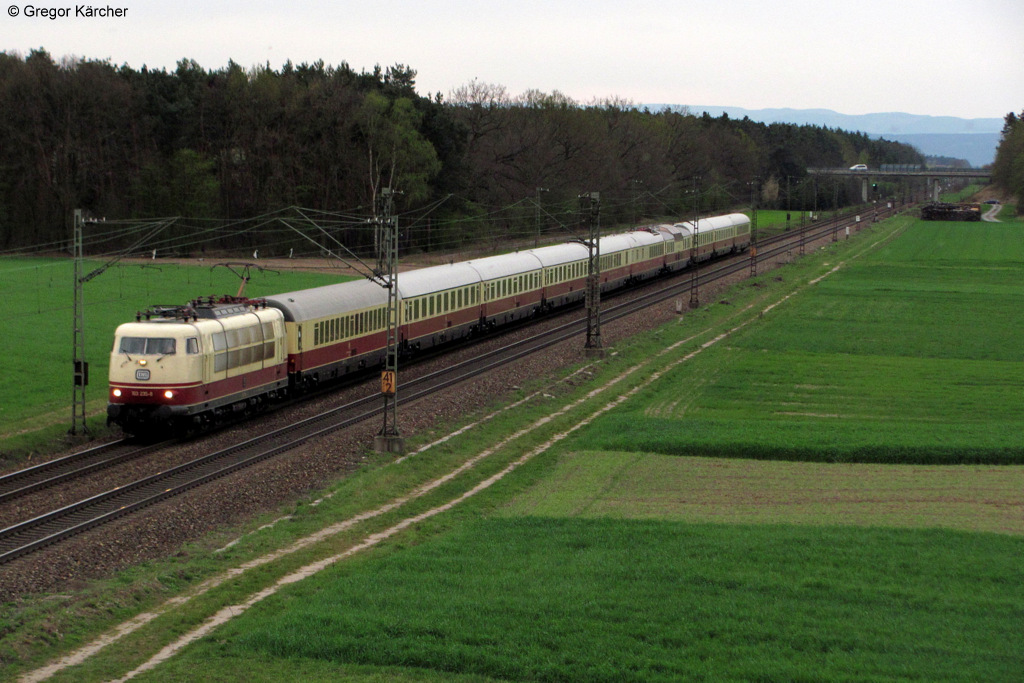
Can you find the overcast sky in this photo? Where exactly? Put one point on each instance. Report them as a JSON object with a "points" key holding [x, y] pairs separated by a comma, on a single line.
{"points": [[936, 57]]}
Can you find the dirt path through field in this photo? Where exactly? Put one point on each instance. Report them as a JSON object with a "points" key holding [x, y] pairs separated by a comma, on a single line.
{"points": [[991, 213]]}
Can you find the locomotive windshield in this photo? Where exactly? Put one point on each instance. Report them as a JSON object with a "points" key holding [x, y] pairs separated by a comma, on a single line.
{"points": [[147, 346]]}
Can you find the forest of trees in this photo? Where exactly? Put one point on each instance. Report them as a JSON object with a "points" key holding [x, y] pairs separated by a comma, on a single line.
{"points": [[1008, 168], [235, 143]]}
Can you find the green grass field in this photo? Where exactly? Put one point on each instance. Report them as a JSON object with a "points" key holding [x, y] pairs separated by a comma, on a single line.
{"points": [[545, 599], [35, 386], [911, 354]]}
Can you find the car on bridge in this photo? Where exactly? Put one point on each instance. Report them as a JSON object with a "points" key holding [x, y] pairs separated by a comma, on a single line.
{"points": [[859, 167]]}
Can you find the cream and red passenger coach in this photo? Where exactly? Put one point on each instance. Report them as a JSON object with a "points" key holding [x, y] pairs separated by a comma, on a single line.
{"points": [[235, 356]]}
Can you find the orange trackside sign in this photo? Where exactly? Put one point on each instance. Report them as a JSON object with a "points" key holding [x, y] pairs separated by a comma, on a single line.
{"points": [[388, 383]]}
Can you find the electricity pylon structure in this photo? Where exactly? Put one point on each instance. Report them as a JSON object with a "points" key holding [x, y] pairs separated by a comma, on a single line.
{"points": [[590, 211], [753, 227], [384, 273], [80, 374], [695, 246], [81, 368], [389, 438]]}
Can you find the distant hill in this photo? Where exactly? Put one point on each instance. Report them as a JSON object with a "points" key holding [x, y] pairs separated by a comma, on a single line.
{"points": [[972, 139], [977, 148]]}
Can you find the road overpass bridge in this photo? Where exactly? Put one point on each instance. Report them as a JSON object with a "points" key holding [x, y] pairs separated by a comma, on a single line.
{"points": [[932, 176]]}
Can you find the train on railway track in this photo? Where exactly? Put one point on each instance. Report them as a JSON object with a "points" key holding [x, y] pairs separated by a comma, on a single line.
{"points": [[187, 367]]}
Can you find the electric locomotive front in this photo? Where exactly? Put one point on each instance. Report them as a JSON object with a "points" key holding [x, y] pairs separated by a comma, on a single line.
{"points": [[192, 364]]}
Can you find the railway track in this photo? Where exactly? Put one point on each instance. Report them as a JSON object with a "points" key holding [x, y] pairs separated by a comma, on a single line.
{"points": [[25, 537], [61, 470]]}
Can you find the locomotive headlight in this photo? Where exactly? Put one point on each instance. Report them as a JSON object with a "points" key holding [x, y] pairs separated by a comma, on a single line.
{"points": [[116, 393], [168, 394], [142, 361]]}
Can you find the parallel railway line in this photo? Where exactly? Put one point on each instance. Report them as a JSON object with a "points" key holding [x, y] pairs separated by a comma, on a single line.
{"points": [[30, 479]]}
